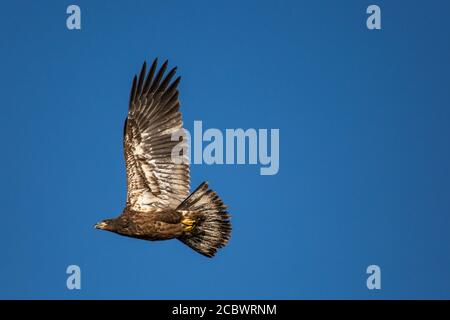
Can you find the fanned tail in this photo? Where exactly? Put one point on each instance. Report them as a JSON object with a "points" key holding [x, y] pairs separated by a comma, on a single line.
{"points": [[211, 227]]}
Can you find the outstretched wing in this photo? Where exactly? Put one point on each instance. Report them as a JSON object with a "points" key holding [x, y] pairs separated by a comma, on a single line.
{"points": [[154, 180]]}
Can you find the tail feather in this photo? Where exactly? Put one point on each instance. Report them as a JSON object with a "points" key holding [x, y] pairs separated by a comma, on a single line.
{"points": [[212, 227]]}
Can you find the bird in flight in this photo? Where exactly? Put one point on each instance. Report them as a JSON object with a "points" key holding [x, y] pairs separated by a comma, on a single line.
{"points": [[158, 205]]}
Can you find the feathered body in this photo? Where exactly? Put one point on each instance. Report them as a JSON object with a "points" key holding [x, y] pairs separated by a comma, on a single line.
{"points": [[158, 205]]}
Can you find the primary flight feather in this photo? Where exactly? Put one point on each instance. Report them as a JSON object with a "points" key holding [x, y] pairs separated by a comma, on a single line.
{"points": [[158, 205]]}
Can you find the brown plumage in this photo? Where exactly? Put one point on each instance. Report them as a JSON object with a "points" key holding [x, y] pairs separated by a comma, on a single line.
{"points": [[158, 206]]}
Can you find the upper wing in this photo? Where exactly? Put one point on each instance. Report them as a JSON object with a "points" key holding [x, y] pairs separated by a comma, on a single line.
{"points": [[153, 179]]}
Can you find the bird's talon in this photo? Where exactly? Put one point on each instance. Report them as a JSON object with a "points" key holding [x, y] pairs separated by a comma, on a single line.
{"points": [[188, 222]]}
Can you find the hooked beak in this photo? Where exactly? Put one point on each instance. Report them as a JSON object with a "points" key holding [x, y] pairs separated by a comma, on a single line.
{"points": [[101, 225]]}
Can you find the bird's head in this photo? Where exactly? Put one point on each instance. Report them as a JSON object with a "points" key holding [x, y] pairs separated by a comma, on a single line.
{"points": [[107, 224]]}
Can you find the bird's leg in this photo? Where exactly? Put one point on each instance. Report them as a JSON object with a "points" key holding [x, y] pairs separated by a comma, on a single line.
{"points": [[188, 220]]}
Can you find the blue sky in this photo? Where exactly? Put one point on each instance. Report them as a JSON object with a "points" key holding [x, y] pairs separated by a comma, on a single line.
{"points": [[364, 147]]}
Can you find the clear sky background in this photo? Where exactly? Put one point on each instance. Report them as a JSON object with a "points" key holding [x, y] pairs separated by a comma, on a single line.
{"points": [[364, 147]]}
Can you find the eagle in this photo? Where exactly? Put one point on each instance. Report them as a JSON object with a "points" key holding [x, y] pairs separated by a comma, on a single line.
{"points": [[158, 204]]}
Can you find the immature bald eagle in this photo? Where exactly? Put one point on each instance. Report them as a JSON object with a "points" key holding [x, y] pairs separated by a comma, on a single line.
{"points": [[158, 206]]}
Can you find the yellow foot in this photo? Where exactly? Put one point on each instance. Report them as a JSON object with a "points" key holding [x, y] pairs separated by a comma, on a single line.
{"points": [[189, 224]]}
